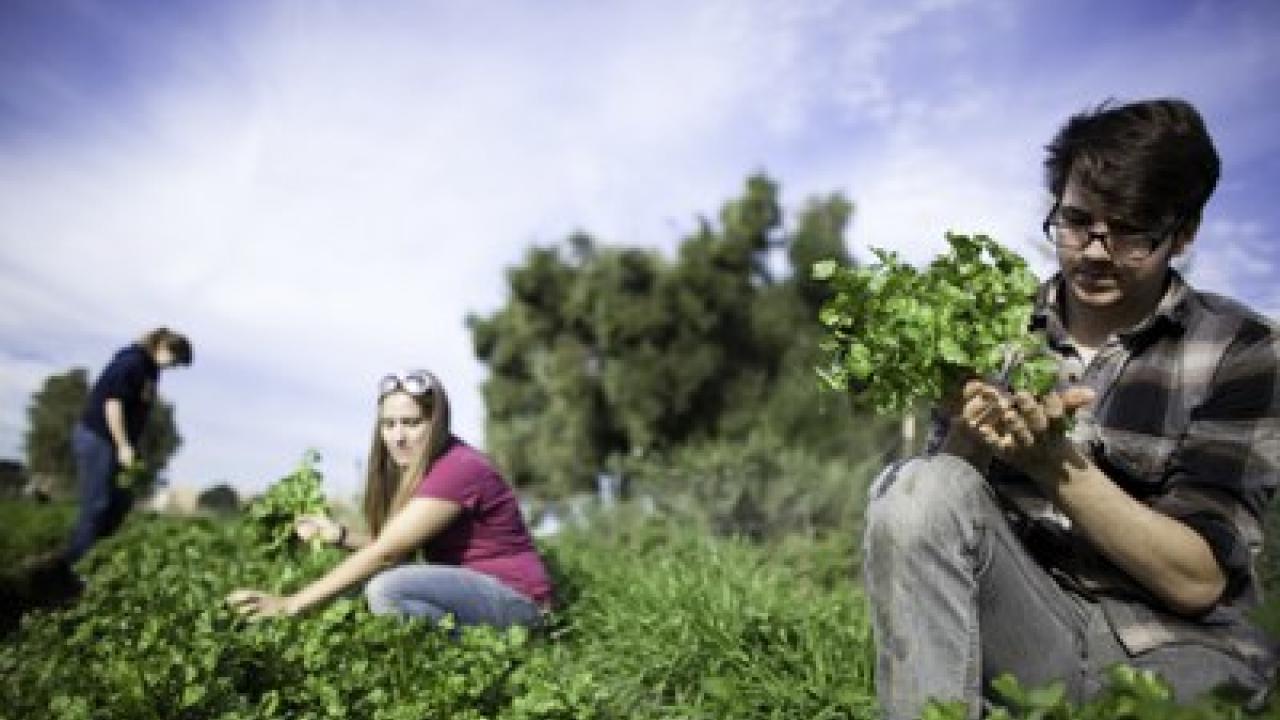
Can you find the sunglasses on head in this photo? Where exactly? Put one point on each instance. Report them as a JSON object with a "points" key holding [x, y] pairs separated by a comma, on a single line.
{"points": [[414, 382]]}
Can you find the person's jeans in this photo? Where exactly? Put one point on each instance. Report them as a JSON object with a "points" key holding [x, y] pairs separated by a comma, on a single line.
{"points": [[957, 600], [433, 591], [103, 505]]}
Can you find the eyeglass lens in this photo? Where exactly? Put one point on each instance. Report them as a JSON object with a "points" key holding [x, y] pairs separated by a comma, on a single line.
{"points": [[1071, 228]]}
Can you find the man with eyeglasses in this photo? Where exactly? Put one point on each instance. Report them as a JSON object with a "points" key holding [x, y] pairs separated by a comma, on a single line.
{"points": [[1016, 547]]}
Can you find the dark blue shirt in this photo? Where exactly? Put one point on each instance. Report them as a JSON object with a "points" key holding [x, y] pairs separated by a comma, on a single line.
{"points": [[131, 379]]}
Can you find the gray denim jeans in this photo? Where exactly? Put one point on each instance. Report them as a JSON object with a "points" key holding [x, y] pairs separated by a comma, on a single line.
{"points": [[433, 591], [957, 600]]}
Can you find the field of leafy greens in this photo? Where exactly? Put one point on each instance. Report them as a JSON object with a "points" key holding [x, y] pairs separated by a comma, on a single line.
{"points": [[658, 620]]}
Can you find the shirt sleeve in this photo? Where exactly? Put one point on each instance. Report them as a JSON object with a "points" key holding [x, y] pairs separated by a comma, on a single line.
{"points": [[456, 479], [123, 380], [1225, 470]]}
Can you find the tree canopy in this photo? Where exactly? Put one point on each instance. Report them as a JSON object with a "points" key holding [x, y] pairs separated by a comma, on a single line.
{"points": [[605, 352]]}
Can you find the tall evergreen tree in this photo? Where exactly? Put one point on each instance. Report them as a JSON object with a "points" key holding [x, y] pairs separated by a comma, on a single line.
{"points": [[609, 352]]}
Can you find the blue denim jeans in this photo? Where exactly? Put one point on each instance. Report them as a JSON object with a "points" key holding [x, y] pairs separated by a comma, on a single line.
{"points": [[103, 505], [957, 600], [433, 591]]}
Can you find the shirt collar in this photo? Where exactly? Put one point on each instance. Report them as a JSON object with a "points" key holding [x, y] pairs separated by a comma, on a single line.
{"points": [[1173, 310]]}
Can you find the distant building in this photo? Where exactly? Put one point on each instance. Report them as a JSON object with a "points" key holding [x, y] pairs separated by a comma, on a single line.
{"points": [[174, 500]]}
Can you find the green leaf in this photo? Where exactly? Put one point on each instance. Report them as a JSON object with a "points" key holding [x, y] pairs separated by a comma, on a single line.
{"points": [[824, 269]]}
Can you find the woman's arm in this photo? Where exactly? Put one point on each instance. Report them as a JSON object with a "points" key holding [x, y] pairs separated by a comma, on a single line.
{"points": [[417, 522]]}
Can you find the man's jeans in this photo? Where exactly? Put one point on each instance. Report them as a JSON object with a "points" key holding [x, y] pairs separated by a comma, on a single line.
{"points": [[433, 591], [957, 600], [103, 505]]}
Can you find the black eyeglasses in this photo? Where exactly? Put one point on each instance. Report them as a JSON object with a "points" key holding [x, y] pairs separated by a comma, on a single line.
{"points": [[414, 382], [1069, 228]]}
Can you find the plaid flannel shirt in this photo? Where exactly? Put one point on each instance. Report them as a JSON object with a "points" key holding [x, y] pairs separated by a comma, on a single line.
{"points": [[1187, 421]]}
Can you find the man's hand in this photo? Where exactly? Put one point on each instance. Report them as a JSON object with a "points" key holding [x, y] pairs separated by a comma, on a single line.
{"points": [[258, 605], [1024, 431]]}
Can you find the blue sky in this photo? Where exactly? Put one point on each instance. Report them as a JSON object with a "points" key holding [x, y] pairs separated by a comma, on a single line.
{"points": [[317, 192]]}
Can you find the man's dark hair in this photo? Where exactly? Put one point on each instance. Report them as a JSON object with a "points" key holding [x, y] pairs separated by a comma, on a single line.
{"points": [[1147, 162]]}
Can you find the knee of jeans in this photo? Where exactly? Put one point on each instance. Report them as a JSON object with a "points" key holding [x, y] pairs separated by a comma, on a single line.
{"points": [[920, 500], [379, 593]]}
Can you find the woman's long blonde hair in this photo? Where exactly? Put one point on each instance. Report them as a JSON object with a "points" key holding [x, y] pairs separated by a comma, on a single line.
{"points": [[386, 487]]}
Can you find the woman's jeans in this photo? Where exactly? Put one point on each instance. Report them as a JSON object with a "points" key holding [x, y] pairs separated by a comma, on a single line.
{"points": [[433, 591], [103, 505], [957, 600]]}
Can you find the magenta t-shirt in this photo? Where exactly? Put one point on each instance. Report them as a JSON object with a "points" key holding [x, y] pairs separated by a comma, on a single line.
{"points": [[489, 536]]}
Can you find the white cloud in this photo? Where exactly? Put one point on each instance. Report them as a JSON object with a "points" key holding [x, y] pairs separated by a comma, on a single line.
{"points": [[1229, 257]]}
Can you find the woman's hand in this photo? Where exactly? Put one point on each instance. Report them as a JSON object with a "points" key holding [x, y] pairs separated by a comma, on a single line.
{"points": [[313, 526], [1025, 431], [258, 605]]}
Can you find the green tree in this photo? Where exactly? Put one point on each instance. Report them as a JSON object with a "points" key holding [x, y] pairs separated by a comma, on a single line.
{"points": [[221, 499], [606, 353], [159, 442], [52, 414]]}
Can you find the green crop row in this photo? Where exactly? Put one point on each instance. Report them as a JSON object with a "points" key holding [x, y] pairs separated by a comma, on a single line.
{"points": [[29, 527], [657, 621]]}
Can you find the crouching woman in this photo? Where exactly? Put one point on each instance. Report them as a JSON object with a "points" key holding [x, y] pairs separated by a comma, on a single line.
{"points": [[426, 491]]}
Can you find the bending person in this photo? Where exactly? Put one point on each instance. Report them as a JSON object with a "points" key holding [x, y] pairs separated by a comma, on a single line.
{"points": [[105, 440], [426, 490]]}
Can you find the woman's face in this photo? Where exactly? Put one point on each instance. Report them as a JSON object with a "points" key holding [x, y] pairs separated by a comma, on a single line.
{"points": [[403, 427]]}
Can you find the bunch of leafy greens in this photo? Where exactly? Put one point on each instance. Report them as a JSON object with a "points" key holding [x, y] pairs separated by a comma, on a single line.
{"points": [[297, 494], [134, 475], [898, 336]]}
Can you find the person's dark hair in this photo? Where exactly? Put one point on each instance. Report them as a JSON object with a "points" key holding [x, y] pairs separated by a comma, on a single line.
{"points": [[1147, 162], [177, 343]]}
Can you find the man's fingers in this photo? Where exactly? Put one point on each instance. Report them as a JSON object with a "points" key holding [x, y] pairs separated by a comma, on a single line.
{"points": [[1018, 421], [1021, 434], [972, 387], [983, 403], [1032, 412], [1074, 398]]}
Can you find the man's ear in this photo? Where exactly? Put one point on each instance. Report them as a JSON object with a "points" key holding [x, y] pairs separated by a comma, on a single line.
{"points": [[1185, 235]]}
